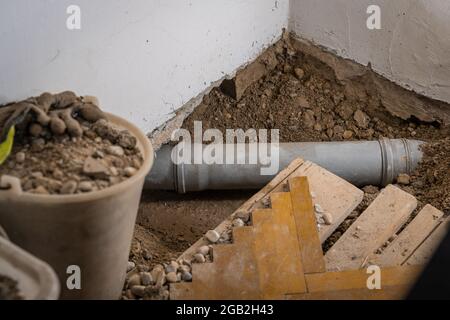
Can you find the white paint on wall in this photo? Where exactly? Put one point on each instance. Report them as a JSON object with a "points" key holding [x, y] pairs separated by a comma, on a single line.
{"points": [[412, 48], [143, 58]]}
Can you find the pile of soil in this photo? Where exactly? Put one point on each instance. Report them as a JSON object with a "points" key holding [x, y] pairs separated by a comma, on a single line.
{"points": [[304, 100], [60, 164], [9, 289]]}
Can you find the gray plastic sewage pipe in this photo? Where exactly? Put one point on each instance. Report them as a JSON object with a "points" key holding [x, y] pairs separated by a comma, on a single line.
{"points": [[359, 162]]}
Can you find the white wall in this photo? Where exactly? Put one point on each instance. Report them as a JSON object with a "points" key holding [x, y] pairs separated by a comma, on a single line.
{"points": [[142, 58], [412, 48]]}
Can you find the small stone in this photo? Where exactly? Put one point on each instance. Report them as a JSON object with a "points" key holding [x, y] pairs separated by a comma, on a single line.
{"points": [[213, 236], [85, 186], [115, 151], [35, 130], [172, 277], [114, 172], [143, 268], [69, 187], [134, 280], [243, 215], [130, 266], [37, 175], [38, 145], [146, 278], [20, 157], [299, 73], [170, 269], [362, 119], [371, 189], [308, 119], [40, 190], [237, 223], [327, 218], [318, 208], [58, 174], [98, 154], [318, 127], [95, 168], [403, 179], [138, 291], [186, 276], [347, 134], [130, 171], [199, 258], [204, 250], [165, 295]]}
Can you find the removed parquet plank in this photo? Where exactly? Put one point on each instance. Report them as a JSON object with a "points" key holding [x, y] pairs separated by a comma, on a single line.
{"points": [[233, 276], [277, 251], [306, 224], [395, 284], [387, 293], [335, 195], [410, 238], [248, 206], [425, 252], [383, 218]]}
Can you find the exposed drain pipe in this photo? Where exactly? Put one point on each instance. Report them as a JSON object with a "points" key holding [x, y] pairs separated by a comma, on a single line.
{"points": [[359, 162]]}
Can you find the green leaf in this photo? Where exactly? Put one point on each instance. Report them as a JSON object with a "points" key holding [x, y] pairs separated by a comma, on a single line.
{"points": [[6, 146]]}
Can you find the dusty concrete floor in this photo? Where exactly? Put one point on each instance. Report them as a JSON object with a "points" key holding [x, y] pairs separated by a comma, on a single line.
{"points": [[169, 223]]}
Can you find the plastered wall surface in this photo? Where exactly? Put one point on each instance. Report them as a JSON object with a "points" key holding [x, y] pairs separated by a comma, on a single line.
{"points": [[143, 58], [412, 48]]}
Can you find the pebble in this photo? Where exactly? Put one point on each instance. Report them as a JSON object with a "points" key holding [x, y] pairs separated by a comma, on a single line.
{"points": [[114, 172], [199, 258], [130, 171], [40, 190], [130, 266], [95, 168], [98, 154], [204, 250], [362, 119], [237, 223], [186, 276], [299, 73], [170, 269], [404, 179], [58, 174], [213, 236], [115, 151], [327, 218], [347, 134], [134, 280], [85, 186], [20, 157], [243, 215], [69, 187], [371, 189], [172, 277], [138, 291], [318, 208], [159, 277], [146, 278]]}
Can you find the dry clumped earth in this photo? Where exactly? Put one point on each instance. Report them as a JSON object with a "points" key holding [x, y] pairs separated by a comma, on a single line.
{"points": [[98, 156], [302, 98]]}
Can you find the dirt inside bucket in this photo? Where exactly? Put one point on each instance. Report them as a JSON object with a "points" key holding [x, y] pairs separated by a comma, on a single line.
{"points": [[9, 289], [303, 98], [101, 157]]}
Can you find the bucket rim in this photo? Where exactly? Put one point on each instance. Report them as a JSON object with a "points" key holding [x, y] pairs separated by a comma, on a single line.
{"points": [[147, 153]]}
